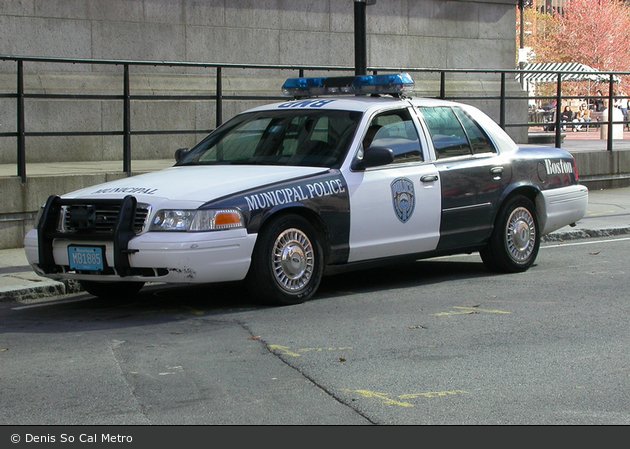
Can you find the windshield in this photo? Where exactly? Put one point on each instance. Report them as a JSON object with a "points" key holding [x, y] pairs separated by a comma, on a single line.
{"points": [[295, 137]]}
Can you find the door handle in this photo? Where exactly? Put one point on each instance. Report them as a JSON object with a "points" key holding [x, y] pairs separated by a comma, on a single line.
{"points": [[429, 178], [497, 173]]}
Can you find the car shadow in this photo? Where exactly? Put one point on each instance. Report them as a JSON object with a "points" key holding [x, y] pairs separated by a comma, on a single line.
{"points": [[404, 275], [160, 303]]}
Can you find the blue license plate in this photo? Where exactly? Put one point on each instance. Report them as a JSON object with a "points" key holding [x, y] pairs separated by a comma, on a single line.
{"points": [[86, 258]]}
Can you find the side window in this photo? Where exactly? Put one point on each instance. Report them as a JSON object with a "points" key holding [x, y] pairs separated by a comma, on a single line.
{"points": [[395, 130], [479, 140], [449, 138]]}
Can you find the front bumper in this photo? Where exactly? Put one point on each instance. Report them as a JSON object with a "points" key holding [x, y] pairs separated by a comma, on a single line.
{"points": [[172, 257], [169, 257]]}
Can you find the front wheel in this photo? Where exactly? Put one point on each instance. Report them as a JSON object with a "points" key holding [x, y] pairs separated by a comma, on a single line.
{"points": [[111, 290], [515, 240], [287, 263]]}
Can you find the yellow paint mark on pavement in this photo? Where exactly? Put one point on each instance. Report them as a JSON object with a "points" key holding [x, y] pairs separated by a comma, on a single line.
{"points": [[385, 399], [194, 311], [469, 311], [284, 350], [431, 394], [323, 349], [596, 214], [453, 313], [381, 396], [483, 310]]}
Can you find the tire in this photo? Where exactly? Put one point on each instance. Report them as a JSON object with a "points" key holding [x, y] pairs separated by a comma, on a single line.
{"points": [[515, 240], [287, 263], [111, 290]]}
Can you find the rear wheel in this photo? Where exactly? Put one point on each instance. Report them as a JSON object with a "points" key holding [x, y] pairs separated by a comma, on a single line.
{"points": [[514, 243], [287, 263], [111, 290]]}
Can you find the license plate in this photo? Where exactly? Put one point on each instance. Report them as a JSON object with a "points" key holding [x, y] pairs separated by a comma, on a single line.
{"points": [[86, 258]]}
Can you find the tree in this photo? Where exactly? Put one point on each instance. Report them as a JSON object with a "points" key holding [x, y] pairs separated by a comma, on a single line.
{"points": [[540, 29], [591, 32]]}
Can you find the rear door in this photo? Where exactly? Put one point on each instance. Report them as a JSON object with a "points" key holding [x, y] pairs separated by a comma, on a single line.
{"points": [[473, 175]]}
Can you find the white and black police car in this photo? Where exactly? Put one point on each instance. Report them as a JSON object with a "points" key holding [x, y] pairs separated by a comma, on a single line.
{"points": [[348, 172]]}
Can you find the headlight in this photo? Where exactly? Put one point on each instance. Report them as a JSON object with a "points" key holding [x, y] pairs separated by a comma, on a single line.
{"points": [[40, 214], [197, 220]]}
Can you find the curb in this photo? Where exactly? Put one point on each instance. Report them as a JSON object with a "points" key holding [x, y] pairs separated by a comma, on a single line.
{"points": [[581, 234], [48, 290]]}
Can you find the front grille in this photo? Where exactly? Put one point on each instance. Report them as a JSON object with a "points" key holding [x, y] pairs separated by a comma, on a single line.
{"points": [[98, 219]]}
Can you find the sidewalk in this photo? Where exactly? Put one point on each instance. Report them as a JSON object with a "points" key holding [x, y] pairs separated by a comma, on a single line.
{"points": [[575, 141], [579, 141], [608, 214], [86, 167]]}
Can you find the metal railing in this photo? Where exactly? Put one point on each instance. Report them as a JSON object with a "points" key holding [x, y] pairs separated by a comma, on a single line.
{"points": [[559, 98], [126, 97]]}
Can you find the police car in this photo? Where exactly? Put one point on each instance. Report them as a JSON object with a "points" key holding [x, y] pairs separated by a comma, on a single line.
{"points": [[350, 171]]}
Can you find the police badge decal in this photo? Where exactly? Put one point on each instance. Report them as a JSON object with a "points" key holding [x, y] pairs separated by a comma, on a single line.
{"points": [[403, 198]]}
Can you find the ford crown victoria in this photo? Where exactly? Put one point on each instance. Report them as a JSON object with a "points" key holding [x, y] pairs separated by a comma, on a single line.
{"points": [[350, 171]]}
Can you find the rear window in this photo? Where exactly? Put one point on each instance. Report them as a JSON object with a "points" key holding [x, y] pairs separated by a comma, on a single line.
{"points": [[454, 132], [449, 138]]}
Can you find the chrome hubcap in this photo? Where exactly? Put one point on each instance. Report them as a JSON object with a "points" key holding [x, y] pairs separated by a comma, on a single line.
{"points": [[521, 234], [293, 260]]}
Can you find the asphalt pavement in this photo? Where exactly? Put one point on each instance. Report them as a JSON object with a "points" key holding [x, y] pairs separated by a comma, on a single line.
{"points": [[607, 214]]}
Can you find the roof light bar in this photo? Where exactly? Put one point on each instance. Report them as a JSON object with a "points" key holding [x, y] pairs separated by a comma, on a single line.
{"points": [[395, 84], [384, 84]]}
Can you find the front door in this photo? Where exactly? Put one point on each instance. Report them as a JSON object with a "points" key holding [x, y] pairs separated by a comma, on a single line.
{"points": [[394, 209]]}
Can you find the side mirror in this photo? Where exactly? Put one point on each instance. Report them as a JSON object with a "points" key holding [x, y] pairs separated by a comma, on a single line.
{"points": [[374, 157], [180, 154]]}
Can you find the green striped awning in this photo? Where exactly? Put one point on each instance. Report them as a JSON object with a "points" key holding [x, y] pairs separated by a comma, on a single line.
{"points": [[547, 72]]}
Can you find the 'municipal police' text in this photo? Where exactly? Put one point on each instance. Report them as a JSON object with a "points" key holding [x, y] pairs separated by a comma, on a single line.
{"points": [[287, 195]]}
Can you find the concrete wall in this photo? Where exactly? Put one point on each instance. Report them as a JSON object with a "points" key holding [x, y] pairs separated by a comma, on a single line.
{"points": [[604, 169], [406, 33]]}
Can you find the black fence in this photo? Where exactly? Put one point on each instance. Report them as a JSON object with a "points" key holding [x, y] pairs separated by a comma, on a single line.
{"points": [[126, 97]]}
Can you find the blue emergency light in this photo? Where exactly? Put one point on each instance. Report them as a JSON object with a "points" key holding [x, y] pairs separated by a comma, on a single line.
{"points": [[394, 84]]}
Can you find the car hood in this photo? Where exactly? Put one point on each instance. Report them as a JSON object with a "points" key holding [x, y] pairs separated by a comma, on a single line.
{"points": [[195, 184]]}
